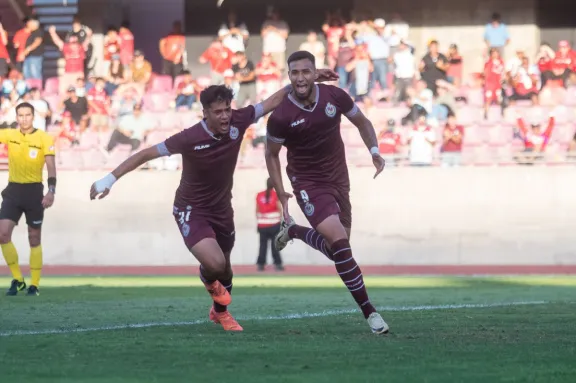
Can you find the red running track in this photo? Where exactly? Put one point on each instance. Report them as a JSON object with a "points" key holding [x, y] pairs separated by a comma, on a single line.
{"points": [[64, 270]]}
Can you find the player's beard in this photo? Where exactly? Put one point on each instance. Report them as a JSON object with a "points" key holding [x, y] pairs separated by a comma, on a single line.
{"points": [[305, 95]]}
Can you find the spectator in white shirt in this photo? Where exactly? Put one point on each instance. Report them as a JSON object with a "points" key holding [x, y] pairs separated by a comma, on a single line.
{"points": [[234, 34], [404, 71], [41, 109], [514, 63], [274, 35], [421, 140], [316, 47], [132, 130]]}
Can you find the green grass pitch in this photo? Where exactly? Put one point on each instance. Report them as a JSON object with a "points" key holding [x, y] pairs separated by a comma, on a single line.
{"points": [[296, 329]]}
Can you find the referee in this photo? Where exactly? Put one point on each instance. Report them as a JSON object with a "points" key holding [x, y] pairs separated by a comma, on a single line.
{"points": [[28, 150]]}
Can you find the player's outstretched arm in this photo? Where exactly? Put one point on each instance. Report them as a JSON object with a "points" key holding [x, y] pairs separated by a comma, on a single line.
{"points": [[102, 187], [368, 135], [272, 156]]}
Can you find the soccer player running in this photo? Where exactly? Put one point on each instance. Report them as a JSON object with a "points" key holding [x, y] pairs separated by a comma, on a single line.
{"points": [[307, 122], [203, 202], [28, 150]]}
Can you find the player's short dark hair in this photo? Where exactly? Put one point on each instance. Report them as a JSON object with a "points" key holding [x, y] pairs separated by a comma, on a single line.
{"points": [[301, 55], [24, 105], [215, 93]]}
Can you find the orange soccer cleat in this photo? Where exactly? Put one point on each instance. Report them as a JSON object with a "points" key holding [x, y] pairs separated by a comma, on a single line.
{"points": [[225, 319], [219, 293]]}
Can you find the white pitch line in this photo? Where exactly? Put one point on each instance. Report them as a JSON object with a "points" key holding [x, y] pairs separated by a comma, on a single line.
{"points": [[303, 315]]}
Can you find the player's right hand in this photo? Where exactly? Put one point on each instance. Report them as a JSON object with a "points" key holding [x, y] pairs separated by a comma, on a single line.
{"points": [[95, 191], [283, 198], [379, 164]]}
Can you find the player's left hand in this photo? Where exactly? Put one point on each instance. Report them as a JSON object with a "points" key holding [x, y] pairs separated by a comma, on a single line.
{"points": [[379, 164], [326, 75], [48, 200]]}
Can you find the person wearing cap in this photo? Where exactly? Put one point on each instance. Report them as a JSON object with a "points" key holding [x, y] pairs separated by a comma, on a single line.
{"points": [[496, 34], [132, 130], [246, 77], [433, 66], [140, 72], [173, 51], [111, 48], [78, 108], [220, 59], [389, 143], [565, 59], [535, 140], [234, 34], [456, 67], [74, 54]]}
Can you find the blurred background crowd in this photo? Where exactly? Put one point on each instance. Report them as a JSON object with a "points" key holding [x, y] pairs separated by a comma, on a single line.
{"points": [[107, 100]]}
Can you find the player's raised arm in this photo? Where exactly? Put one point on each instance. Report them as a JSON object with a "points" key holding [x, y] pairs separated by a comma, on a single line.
{"points": [[274, 143]]}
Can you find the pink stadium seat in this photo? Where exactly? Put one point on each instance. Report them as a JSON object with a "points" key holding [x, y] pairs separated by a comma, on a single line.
{"points": [[158, 102], [117, 156], [474, 135], [34, 83], [161, 84], [51, 86], [53, 100], [475, 97], [562, 133], [177, 82], [499, 134], [203, 81], [93, 159], [156, 136], [91, 140], [70, 159]]}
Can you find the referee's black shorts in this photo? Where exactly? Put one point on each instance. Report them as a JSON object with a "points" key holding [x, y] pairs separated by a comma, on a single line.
{"points": [[18, 199]]}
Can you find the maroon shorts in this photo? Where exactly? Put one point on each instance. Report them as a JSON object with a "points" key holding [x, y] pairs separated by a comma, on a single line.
{"points": [[194, 228], [317, 204]]}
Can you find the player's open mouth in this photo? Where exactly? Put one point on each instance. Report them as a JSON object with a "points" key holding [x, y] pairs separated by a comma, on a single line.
{"points": [[301, 88]]}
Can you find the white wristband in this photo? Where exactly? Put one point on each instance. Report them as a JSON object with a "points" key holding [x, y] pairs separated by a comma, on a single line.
{"points": [[374, 151], [105, 183]]}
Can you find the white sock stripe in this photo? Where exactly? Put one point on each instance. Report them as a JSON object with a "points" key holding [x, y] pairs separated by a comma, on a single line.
{"points": [[316, 242], [352, 280], [346, 272], [341, 250], [227, 287], [365, 303], [341, 262], [289, 316], [357, 288], [307, 235]]}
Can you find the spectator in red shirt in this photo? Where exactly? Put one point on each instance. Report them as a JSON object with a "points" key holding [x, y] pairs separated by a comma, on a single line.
{"points": [[172, 49], [544, 59], [333, 28], [111, 47], [220, 59], [67, 131], [535, 141], [4, 56], [268, 77], [268, 214], [455, 69], [74, 55], [98, 105], [19, 43], [389, 143], [494, 72], [525, 83], [187, 90], [126, 44], [452, 142]]}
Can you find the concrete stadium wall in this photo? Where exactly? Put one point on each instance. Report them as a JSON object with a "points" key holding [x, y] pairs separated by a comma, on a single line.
{"points": [[461, 216]]}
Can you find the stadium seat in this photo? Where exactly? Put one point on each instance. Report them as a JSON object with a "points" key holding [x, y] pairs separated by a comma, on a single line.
{"points": [[158, 102], [117, 156], [160, 84], [203, 81], [177, 82], [53, 101], [93, 159], [51, 86], [34, 83], [91, 140], [70, 159]]}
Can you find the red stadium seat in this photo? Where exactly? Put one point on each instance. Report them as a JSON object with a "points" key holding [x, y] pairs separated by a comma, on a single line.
{"points": [[160, 84], [51, 86]]}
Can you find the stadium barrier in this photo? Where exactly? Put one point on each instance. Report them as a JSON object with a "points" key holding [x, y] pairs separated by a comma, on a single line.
{"points": [[408, 216]]}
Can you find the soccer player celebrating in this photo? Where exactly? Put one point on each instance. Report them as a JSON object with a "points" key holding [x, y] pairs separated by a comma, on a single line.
{"points": [[307, 122], [28, 150], [203, 203]]}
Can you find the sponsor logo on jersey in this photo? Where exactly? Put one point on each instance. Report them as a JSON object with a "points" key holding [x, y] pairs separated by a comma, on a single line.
{"points": [[200, 147], [185, 229], [234, 133], [330, 110], [296, 123]]}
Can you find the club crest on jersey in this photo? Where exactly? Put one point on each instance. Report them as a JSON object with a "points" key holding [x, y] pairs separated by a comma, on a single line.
{"points": [[309, 209], [33, 153], [234, 132], [185, 229], [330, 110]]}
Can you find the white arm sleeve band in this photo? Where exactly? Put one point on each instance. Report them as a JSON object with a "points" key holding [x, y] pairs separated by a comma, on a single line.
{"points": [[258, 111], [352, 111], [162, 149]]}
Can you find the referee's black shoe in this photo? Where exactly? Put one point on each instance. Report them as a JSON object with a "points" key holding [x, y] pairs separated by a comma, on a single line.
{"points": [[33, 291], [15, 286]]}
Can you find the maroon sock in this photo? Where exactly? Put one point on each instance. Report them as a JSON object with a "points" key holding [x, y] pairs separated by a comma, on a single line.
{"points": [[311, 237], [351, 275], [227, 283]]}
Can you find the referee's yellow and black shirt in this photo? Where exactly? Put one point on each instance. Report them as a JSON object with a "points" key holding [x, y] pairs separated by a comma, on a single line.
{"points": [[26, 154]]}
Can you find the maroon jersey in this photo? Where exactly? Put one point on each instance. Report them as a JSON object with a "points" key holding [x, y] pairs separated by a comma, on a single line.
{"points": [[316, 153], [208, 164]]}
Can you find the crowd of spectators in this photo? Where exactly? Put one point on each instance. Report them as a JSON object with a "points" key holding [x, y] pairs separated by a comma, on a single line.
{"points": [[375, 59]]}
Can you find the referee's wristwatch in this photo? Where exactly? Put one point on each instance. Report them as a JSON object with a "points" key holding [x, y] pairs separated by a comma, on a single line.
{"points": [[52, 189]]}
